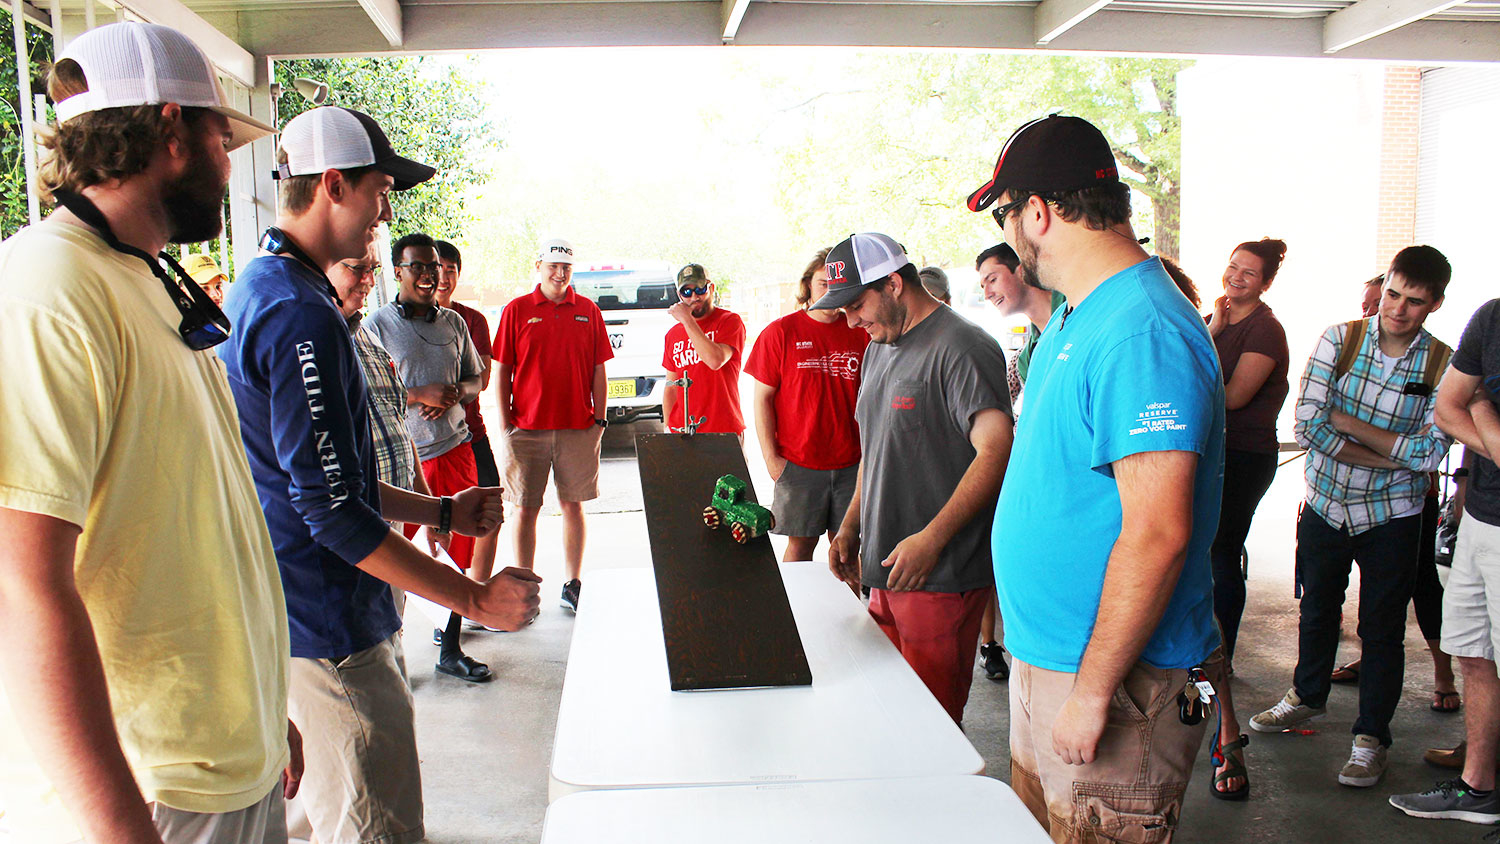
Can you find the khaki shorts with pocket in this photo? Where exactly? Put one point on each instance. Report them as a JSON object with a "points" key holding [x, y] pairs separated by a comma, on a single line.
{"points": [[362, 781], [572, 456], [1133, 789]]}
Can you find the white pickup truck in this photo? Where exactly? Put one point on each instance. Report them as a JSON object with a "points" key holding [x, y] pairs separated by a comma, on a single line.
{"points": [[634, 297]]}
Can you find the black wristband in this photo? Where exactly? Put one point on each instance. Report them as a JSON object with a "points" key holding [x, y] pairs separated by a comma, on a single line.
{"points": [[445, 514]]}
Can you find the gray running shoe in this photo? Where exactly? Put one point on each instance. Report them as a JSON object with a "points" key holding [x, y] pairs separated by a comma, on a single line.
{"points": [[1451, 800]]}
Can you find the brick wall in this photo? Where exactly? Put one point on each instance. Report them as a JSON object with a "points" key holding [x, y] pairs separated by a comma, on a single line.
{"points": [[1396, 218]]}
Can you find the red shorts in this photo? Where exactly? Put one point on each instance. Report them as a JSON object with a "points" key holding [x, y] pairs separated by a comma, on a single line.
{"points": [[449, 473], [937, 633]]}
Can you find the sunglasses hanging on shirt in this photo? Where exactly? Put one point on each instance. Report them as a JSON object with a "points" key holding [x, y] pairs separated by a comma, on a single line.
{"points": [[203, 325]]}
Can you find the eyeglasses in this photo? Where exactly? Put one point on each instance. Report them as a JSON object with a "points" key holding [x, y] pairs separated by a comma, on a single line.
{"points": [[422, 268], [361, 270], [687, 292], [1005, 210]]}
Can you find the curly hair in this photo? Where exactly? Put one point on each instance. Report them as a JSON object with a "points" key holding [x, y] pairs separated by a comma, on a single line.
{"points": [[804, 284], [98, 146]]}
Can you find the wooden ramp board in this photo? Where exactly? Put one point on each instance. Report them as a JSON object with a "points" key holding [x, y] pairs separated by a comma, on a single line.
{"points": [[725, 616]]}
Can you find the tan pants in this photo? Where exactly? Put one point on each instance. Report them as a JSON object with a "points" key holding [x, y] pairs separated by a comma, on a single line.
{"points": [[572, 457], [363, 784], [1133, 789]]}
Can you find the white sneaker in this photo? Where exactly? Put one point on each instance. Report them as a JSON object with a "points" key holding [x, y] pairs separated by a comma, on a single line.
{"points": [[1289, 711], [1366, 763]]}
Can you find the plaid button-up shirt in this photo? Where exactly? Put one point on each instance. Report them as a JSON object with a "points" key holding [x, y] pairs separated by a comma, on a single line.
{"points": [[1357, 498], [395, 456]]}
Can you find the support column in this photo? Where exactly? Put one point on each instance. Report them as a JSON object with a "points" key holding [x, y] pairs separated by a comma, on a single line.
{"points": [[1400, 129], [23, 87], [252, 192]]}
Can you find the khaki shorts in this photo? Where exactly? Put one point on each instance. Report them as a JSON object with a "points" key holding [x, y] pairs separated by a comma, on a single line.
{"points": [[1471, 599], [571, 455], [359, 742], [1133, 789], [262, 823]]}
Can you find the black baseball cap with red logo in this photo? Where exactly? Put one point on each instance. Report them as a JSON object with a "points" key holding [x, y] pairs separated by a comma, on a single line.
{"points": [[858, 262], [1052, 153]]}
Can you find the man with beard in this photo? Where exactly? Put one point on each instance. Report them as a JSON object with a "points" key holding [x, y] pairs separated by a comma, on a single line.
{"points": [[436, 359], [1102, 533], [304, 419], [143, 654], [705, 347], [934, 435], [552, 348]]}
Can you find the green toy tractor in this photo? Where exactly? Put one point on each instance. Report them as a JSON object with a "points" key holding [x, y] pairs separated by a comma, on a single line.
{"points": [[746, 519]]}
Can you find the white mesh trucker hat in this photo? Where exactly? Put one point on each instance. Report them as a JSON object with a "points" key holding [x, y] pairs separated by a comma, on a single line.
{"points": [[133, 64], [334, 138], [856, 263]]}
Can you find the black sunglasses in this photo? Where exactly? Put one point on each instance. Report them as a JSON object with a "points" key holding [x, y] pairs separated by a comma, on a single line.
{"points": [[421, 268], [686, 291]]}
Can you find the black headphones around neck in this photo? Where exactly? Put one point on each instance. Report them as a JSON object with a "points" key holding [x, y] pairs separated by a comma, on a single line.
{"points": [[406, 312]]}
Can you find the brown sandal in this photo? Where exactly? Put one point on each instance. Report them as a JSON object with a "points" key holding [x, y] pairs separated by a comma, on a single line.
{"points": [[1440, 702]]}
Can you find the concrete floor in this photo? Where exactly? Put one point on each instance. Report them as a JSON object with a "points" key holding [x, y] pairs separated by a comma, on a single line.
{"points": [[485, 749]]}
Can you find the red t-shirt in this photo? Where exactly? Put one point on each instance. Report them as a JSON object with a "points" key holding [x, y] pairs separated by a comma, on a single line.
{"points": [[553, 348], [715, 392], [815, 369], [479, 332]]}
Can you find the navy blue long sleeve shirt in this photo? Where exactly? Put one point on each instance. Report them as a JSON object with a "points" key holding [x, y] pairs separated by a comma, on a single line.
{"points": [[304, 418]]}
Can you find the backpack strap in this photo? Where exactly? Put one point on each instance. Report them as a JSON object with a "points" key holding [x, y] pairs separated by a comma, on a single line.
{"points": [[1437, 362], [1355, 330]]}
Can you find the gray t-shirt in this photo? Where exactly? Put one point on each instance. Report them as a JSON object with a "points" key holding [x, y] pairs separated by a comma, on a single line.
{"points": [[436, 352], [917, 402], [1478, 353]]}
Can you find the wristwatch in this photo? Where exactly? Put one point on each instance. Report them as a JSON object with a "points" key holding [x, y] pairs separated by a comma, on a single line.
{"points": [[445, 514], [603, 423]]}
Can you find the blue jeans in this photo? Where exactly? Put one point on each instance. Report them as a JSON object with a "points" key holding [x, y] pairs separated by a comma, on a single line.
{"points": [[1387, 557]]}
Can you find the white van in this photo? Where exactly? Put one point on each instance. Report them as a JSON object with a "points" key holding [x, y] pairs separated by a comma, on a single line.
{"points": [[634, 297]]}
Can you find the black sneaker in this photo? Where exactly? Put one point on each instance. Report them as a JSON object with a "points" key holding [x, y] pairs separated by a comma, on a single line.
{"points": [[570, 594], [992, 660], [1451, 800]]}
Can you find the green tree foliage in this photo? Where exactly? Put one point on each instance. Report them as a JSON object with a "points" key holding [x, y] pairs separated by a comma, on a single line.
{"points": [[900, 139], [13, 213], [433, 110]]}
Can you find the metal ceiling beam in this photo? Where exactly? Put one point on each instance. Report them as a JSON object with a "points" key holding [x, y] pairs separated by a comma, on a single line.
{"points": [[734, 13], [225, 53], [386, 14], [1369, 18], [1054, 17]]}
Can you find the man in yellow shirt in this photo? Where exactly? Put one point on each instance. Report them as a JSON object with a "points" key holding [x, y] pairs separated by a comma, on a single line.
{"points": [[144, 654]]}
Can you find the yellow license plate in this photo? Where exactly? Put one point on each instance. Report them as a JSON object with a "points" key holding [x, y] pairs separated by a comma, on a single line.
{"points": [[622, 389]]}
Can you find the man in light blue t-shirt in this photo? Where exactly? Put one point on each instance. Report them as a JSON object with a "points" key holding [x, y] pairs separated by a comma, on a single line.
{"points": [[1111, 500]]}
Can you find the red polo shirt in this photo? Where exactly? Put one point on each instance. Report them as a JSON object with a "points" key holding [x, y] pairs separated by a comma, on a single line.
{"points": [[553, 348], [814, 367], [715, 392], [479, 332]]}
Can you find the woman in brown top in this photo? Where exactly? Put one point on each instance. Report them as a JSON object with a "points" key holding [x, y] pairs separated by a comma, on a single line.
{"points": [[1253, 354]]}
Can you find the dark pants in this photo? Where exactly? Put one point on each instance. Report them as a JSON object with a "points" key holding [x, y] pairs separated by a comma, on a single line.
{"points": [[488, 474], [1387, 557], [1427, 594], [1247, 476]]}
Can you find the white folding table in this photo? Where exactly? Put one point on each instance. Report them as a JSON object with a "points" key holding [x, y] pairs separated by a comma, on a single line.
{"points": [[865, 716], [888, 811]]}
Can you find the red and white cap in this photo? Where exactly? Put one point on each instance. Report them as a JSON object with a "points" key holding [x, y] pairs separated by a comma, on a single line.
{"points": [[134, 64], [333, 138]]}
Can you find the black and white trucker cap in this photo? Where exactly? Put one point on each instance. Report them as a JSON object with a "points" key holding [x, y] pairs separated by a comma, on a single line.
{"points": [[858, 262], [333, 138]]}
